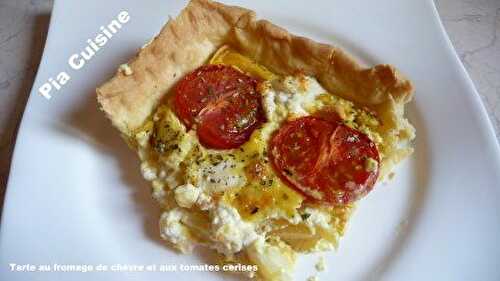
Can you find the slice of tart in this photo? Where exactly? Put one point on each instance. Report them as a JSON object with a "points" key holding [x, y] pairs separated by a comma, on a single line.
{"points": [[258, 143]]}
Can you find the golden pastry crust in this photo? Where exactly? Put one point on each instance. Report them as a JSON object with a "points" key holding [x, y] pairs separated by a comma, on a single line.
{"points": [[132, 96], [284, 53], [189, 40]]}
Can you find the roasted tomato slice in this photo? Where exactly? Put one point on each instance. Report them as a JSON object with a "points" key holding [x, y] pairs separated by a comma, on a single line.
{"points": [[325, 160], [222, 103]]}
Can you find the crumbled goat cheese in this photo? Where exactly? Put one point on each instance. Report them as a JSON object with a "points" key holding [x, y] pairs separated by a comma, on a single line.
{"points": [[316, 218], [148, 171], [172, 230], [204, 202], [230, 233], [186, 195], [291, 95], [125, 69]]}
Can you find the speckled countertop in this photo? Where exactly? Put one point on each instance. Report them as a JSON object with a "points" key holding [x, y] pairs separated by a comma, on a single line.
{"points": [[473, 26]]}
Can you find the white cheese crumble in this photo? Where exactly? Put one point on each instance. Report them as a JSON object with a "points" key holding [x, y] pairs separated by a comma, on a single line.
{"points": [[204, 202], [186, 195], [159, 191], [229, 232], [316, 218], [172, 230], [292, 95], [149, 172], [125, 69]]}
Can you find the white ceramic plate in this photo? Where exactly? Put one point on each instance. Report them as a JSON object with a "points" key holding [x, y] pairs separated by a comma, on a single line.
{"points": [[75, 195]]}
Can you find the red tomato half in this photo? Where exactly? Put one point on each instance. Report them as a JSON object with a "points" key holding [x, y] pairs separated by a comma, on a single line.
{"points": [[324, 160], [221, 103]]}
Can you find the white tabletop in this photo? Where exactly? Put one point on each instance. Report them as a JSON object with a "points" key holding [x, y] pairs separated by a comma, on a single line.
{"points": [[473, 27]]}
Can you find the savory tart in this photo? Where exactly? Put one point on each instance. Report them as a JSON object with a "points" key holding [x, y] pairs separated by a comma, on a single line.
{"points": [[258, 143]]}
